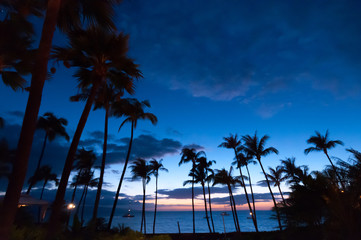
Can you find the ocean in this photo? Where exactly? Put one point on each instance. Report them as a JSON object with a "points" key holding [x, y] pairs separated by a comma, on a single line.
{"points": [[167, 221]]}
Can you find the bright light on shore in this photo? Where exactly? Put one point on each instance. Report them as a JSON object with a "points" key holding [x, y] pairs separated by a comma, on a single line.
{"points": [[70, 206]]}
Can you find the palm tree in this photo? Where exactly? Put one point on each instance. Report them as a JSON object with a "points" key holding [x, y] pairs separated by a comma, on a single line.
{"points": [[155, 167], [224, 177], [53, 127], [2, 122], [141, 170], [16, 49], [244, 160], [190, 155], [105, 99], [206, 165], [275, 176], [291, 171], [68, 15], [199, 176], [100, 57], [255, 147], [232, 142], [46, 175], [134, 110], [322, 143]]}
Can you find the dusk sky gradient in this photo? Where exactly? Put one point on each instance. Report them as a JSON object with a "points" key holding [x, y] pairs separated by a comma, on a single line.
{"points": [[211, 68]]}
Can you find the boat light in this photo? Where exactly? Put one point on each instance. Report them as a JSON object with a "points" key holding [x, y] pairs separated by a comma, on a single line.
{"points": [[70, 206]]}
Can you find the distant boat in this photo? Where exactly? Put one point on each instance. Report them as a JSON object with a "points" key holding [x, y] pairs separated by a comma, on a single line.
{"points": [[128, 214], [224, 214]]}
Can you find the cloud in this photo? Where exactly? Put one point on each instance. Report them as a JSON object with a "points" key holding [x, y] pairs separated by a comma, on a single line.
{"points": [[16, 114], [173, 132], [195, 146], [185, 193], [258, 50], [144, 146], [241, 198]]}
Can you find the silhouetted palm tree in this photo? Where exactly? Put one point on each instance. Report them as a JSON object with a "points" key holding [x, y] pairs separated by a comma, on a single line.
{"points": [[17, 52], [2, 122], [225, 178], [322, 143], [292, 172], [190, 155], [46, 175], [255, 147], [141, 170], [53, 127], [134, 111], [204, 163], [155, 167], [244, 160], [275, 176], [105, 99], [199, 176], [68, 15], [100, 57], [232, 142]]}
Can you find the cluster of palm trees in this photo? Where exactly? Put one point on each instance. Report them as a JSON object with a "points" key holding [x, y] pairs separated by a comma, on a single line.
{"points": [[97, 53], [251, 150], [142, 169]]}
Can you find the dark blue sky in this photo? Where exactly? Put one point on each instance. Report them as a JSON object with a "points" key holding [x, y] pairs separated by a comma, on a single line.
{"points": [[284, 68]]}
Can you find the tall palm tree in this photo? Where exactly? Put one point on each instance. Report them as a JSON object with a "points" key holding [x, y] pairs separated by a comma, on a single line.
{"points": [[199, 176], [155, 167], [134, 111], [107, 95], [190, 155], [232, 142], [244, 160], [275, 176], [255, 147], [53, 127], [68, 15], [141, 170], [322, 143], [206, 165], [99, 57], [2, 122], [224, 177]]}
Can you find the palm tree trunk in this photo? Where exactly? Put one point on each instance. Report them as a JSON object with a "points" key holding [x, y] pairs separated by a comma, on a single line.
{"points": [[194, 222], [279, 188], [205, 207], [39, 163], [249, 204], [143, 208], [16, 181], [273, 198], [235, 209], [121, 178], [234, 217], [156, 201], [253, 201], [335, 170], [59, 198], [42, 190], [102, 168], [210, 207], [82, 210], [80, 201]]}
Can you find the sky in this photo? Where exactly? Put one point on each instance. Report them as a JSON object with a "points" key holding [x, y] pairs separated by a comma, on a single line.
{"points": [[212, 68]]}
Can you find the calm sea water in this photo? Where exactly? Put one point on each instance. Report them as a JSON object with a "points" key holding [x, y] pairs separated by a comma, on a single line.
{"points": [[167, 221]]}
